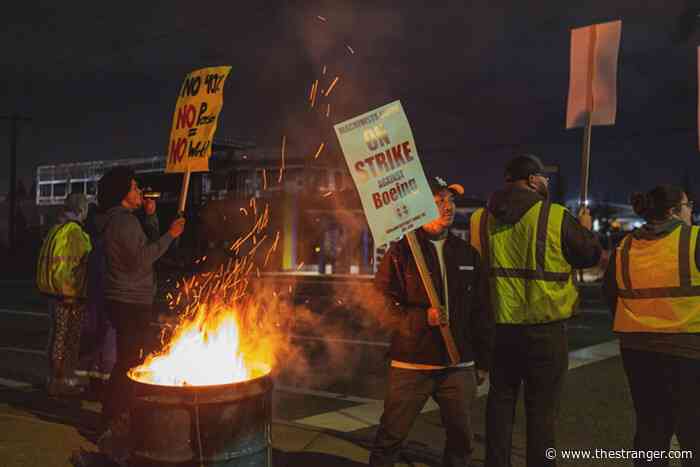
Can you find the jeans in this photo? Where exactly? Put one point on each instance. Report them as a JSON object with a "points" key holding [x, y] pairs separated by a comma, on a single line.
{"points": [[453, 389], [131, 322], [536, 355], [665, 391]]}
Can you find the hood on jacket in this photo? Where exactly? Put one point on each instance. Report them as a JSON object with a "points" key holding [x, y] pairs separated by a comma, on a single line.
{"points": [[68, 216], [653, 231], [509, 205]]}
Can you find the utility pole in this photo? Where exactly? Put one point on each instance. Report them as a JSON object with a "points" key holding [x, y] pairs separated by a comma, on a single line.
{"points": [[14, 119]]}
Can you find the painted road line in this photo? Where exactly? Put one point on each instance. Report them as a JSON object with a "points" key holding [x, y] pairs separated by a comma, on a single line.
{"points": [[24, 313], [325, 394], [21, 350], [11, 383], [340, 341]]}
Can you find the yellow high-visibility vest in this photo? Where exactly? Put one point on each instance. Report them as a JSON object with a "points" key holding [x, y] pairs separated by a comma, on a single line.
{"points": [[530, 280], [658, 283], [62, 265]]}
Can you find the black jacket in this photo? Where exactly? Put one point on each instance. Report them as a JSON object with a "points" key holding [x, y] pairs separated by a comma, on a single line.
{"points": [[398, 280]]}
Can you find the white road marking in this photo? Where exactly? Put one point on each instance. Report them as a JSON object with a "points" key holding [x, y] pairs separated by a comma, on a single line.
{"points": [[21, 350], [11, 383], [29, 314]]}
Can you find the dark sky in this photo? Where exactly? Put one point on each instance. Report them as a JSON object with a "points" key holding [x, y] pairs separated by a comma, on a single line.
{"points": [[480, 81]]}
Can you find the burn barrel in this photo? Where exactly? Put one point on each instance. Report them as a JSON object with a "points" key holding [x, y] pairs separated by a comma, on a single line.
{"points": [[225, 425]]}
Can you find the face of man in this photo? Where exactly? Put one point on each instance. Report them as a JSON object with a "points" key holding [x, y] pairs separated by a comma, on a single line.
{"points": [[133, 199], [446, 212], [539, 183], [686, 212]]}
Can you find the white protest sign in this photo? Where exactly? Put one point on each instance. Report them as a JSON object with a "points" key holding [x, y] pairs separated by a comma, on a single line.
{"points": [[383, 160], [593, 74]]}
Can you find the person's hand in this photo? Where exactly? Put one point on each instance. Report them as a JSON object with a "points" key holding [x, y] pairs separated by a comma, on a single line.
{"points": [[584, 217], [177, 227], [481, 376], [434, 316], [149, 206]]}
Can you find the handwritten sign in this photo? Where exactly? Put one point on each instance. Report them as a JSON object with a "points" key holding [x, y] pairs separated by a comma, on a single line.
{"points": [[196, 116], [383, 160]]}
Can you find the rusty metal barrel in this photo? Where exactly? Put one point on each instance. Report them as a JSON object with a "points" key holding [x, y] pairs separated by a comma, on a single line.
{"points": [[224, 425]]}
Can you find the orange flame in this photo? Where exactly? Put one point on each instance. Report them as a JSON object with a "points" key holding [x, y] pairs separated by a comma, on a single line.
{"points": [[202, 353]]}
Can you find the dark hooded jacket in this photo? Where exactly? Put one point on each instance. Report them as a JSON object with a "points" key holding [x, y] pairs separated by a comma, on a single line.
{"points": [[130, 254], [682, 345], [413, 340]]}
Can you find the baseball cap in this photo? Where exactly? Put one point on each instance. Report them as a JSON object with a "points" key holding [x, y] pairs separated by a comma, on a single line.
{"points": [[437, 184], [523, 166]]}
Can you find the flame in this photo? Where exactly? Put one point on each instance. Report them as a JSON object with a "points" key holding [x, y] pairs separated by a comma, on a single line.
{"points": [[204, 351]]}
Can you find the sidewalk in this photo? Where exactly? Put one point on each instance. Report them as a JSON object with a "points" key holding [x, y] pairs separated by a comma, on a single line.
{"points": [[596, 413]]}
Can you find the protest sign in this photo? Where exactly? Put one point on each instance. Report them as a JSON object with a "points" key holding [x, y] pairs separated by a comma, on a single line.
{"points": [[593, 74], [383, 160], [196, 116]]}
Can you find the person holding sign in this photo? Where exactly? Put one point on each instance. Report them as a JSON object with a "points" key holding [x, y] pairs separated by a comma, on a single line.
{"points": [[529, 248], [129, 284], [420, 365], [652, 289]]}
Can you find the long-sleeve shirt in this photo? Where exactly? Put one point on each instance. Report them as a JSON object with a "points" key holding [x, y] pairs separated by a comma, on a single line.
{"points": [[130, 256]]}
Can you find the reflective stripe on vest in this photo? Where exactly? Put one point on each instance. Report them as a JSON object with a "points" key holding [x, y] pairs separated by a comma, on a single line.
{"points": [[658, 283], [532, 281]]}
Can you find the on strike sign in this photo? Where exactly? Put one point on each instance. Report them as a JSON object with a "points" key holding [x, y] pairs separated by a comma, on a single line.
{"points": [[196, 116], [382, 157]]}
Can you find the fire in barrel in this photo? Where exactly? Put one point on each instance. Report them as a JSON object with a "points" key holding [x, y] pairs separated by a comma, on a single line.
{"points": [[202, 400]]}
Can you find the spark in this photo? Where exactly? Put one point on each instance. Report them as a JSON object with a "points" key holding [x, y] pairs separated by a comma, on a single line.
{"points": [[284, 143], [319, 150], [328, 110], [244, 211], [333, 83], [311, 91], [314, 92], [327, 194], [264, 173], [301, 265], [323, 19], [350, 49], [324, 70]]}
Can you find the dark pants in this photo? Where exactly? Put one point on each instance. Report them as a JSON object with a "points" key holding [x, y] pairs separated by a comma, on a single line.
{"points": [[537, 356], [408, 390], [131, 322], [665, 391]]}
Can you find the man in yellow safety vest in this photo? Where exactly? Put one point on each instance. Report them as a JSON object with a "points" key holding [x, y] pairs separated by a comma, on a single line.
{"points": [[529, 247]]}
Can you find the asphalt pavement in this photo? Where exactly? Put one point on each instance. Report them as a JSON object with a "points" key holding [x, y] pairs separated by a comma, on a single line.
{"points": [[325, 415]]}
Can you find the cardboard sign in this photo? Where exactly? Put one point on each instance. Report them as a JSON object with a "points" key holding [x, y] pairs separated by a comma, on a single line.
{"points": [[593, 74], [383, 160], [196, 116]]}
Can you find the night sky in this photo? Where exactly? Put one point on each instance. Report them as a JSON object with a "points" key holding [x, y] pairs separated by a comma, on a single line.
{"points": [[480, 81]]}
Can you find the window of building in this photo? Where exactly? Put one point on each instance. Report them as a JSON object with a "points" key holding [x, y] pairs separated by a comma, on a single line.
{"points": [[44, 190], [77, 187], [91, 188], [59, 189]]}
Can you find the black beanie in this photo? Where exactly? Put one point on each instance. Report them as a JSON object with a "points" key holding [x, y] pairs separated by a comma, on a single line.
{"points": [[114, 186]]}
